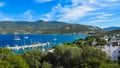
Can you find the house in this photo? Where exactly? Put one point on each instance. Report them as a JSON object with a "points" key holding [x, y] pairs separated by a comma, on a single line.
{"points": [[112, 51]]}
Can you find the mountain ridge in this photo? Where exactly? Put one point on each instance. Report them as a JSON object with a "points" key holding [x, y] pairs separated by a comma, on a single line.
{"points": [[112, 28], [41, 26]]}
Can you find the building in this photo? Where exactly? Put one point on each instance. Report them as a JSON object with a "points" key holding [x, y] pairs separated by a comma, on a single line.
{"points": [[112, 51]]}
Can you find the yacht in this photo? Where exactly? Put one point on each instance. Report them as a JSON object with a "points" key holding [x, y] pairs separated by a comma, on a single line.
{"points": [[16, 38], [55, 38], [25, 36]]}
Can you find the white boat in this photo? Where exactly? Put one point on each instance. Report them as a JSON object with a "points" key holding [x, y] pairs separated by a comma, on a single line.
{"points": [[55, 38], [15, 33], [16, 38], [25, 35]]}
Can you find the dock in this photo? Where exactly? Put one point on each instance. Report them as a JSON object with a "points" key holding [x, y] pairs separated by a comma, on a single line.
{"points": [[28, 46]]}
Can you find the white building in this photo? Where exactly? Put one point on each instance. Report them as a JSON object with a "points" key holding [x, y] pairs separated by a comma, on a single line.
{"points": [[112, 51]]}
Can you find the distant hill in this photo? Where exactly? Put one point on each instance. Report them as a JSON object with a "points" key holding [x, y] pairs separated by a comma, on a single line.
{"points": [[41, 26], [110, 33], [111, 28], [77, 28]]}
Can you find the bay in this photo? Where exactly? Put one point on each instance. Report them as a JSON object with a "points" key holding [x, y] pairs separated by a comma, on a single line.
{"points": [[28, 39]]}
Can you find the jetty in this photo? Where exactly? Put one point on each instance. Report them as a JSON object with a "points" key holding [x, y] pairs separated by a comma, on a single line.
{"points": [[28, 46]]}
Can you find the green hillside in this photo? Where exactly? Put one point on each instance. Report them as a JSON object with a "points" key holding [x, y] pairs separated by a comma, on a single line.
{"points": [[41, 26], [110, 33], [77, 28]]}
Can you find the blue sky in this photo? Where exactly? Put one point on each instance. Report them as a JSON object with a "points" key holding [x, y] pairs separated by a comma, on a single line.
{"points": [[101, 13]]}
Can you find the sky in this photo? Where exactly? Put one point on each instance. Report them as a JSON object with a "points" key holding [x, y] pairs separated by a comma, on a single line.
{"points": [[101, 13]]}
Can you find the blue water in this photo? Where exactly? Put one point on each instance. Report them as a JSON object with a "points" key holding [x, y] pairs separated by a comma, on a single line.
{"points": [[9, 39]]}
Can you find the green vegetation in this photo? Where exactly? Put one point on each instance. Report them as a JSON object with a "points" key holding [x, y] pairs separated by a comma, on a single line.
{"points": [[90, 41], [77, 28], [41, 26], [79, 54], [33, 58], [8, 60], [109, 33]]}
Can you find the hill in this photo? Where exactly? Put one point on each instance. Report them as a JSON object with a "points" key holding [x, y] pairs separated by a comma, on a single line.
{"points": [[41, 26], [77, 28], [110, 33], [111, 28]]}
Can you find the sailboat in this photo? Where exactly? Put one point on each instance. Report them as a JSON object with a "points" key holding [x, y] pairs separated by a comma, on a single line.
{"points": [[15, 33], [55, 38], [16, 46], [25, 36], [16, 37]]}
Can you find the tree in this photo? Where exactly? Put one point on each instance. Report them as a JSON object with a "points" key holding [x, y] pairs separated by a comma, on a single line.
{"points": [[101, 42], [16, 61], [4, 51], [46, 65], [89, 40], [33, 58], [109, 65], [66, 56], [92, 58], [5, 64], [71, 57], [79, 42], [8, 60]]}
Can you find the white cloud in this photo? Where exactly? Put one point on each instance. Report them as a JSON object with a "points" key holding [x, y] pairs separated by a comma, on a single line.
{"points": [[76, 12], [104, 16], [48, 16], [51, 14], [2, 4], [68, 13], [77, 2], [92, 1], [5, 18], [96, 21], [79, 9], [28, 13], [107, 3], [102, 19], [112, 0], [42, 1]]}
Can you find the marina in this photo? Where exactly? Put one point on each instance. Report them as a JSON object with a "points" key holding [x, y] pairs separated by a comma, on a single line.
{"points": [[20, 42], [28, 46]]}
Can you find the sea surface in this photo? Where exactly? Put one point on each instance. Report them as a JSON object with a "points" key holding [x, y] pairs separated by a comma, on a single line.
{"points": [[55, 39]]}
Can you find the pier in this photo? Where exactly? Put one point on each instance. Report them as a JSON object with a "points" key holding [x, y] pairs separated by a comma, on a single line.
{"points": [[28, 46]]}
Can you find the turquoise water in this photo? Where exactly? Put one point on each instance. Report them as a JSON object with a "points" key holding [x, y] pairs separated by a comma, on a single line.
{"points": [[55, 39]]}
